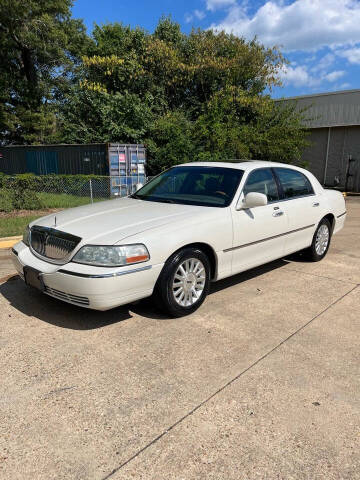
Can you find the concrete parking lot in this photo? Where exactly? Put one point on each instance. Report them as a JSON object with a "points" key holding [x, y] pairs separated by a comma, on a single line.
{"points": [[261, 383]]}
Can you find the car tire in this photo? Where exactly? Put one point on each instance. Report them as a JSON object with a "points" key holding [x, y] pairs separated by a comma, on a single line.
{"points": [[183, 283], [321, 241]]}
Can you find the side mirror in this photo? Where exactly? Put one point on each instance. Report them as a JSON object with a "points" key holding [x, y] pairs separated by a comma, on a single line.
{"points": [[254, 199]]}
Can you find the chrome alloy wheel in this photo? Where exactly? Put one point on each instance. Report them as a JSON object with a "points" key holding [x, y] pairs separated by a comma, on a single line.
{"points": [[189, 282], [322, 239]]}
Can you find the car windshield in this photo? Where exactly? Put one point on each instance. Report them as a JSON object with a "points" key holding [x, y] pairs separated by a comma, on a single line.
{"points": [[204, 186]]}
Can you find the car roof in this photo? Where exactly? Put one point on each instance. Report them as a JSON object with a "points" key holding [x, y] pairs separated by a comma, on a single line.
{"points": [[241, 164]]}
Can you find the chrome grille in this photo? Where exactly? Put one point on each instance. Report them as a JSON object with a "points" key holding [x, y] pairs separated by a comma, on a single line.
{"points": [[67, 297], [51, 243]]}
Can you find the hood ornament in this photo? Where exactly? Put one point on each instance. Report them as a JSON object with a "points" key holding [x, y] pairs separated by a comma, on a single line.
{"points": [[54, 220]]}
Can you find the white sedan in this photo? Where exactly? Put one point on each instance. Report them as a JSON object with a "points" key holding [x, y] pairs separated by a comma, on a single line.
{"points": [[193, 224]]}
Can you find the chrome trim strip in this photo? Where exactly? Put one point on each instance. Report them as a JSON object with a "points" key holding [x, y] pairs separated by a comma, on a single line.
{"points": [[268, 238], [341, 215], [104, 275]]}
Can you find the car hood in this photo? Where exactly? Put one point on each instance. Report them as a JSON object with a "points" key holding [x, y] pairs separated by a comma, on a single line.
{"points": [[109, 222]]}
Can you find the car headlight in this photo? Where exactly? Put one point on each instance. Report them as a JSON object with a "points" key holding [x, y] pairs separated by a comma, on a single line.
{"points": [[26, 236], [112, 255]]}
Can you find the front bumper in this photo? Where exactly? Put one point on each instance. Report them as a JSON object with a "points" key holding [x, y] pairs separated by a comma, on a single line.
{"points": [[88, 286]]}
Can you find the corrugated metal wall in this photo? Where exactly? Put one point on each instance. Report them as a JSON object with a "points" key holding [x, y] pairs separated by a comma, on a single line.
{"points": [[331, 109], [315, 154], [343, 142]]}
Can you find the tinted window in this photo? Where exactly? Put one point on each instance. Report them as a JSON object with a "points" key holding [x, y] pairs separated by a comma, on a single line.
{"points": [[294, 183], [262, 181], [206, 186]]}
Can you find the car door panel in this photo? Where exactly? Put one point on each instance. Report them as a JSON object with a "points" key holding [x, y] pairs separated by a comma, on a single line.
{"points": [[258, 236], [303, 217], [258, 232]]}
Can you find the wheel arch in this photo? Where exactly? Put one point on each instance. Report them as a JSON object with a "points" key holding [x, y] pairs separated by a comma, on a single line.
{"points": [[331, 218], [207, 250]]}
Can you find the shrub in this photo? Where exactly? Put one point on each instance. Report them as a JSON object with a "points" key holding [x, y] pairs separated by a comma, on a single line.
{"points": [[6, 200], [22, 195], [21, 192], [28, 201]]}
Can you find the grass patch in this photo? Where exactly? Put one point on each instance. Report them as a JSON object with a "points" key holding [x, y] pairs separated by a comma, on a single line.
{"points": [[62, 200], [14, 222], [44, 200], [11, 226]]}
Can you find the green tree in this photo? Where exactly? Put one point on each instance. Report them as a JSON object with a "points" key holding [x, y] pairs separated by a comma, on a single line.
{"points": [[238, 125], [39, 43], [93, 115], [170, 142], [197, 96]]}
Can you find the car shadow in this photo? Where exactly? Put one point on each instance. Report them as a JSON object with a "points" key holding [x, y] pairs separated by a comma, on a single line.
{"points": [[33, 303], [247, 275], [299, 257], [147, 309]]}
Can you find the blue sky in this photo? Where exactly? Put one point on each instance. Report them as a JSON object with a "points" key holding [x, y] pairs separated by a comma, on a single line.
{"points": [[320, 38]]}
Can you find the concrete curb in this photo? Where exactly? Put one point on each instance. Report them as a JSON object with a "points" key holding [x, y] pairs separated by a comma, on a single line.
{"points": [[8, 242]]}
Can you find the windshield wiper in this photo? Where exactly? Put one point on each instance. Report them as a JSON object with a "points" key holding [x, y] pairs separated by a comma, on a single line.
{"points": [[165, 200], [151, 199]]}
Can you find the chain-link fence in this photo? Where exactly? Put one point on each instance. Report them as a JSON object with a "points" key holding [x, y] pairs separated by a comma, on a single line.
{"points": [[63, 191]]}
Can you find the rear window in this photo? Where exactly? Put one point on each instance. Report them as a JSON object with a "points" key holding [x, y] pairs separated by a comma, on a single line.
{"points": [[294, 183]]}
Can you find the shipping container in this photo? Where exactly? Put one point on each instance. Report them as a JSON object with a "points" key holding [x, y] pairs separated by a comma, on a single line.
{"points": [[126, 167], [124, 163]]}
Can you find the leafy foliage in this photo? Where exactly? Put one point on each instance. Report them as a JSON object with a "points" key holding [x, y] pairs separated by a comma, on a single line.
{"points": [[18, 193], [188, 97], [40, 44]]}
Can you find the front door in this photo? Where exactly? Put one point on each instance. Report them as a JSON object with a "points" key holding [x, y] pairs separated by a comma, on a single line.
{"points": [[258, 232]]}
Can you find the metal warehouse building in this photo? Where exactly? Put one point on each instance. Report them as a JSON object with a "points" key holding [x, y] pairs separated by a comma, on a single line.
{"points": [[334, 123]]}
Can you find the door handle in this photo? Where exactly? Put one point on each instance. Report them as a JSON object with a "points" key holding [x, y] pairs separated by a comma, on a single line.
{"points": [[316, 204], [278, 214]]}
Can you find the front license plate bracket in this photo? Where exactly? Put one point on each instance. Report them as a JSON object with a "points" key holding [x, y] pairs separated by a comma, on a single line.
{"points": [[33, 278]]}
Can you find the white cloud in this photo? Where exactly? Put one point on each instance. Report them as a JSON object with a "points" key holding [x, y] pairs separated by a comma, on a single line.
{"points": [[302, 76], [333, 76], [196, 14], [326, 62], [218, 4], [199, 14], [301, 25], [352, 55], [297, 76]]}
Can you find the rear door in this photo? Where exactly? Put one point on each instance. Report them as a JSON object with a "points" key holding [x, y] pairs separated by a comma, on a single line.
{"points": [[258, 232], [301, 205]]}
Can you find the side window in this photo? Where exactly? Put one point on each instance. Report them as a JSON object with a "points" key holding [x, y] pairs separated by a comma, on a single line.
{"points": [[262, 181], [294, 183]]}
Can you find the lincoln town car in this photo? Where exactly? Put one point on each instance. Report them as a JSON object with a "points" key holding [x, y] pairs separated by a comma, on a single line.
{"points": [[191, 225]]}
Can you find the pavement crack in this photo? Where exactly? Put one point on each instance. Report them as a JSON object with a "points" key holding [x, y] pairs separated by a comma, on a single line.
{"points": [[230, 382], [58, 390]]}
